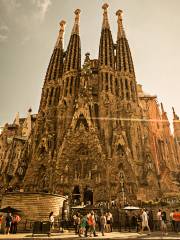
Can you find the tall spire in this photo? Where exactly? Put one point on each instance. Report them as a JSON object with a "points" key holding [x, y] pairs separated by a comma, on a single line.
{"points": [[162, 108], [60, 39], [124, 64], [75, 29], [55, 67], [164, 114], [175, 116], [73, 53], [105, 16], [106, 46], [124, 58], [121, 32]]}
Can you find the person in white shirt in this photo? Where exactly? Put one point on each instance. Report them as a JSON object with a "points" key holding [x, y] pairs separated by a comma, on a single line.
{"points": [[51, 220], [159, 219], [145, 224]]}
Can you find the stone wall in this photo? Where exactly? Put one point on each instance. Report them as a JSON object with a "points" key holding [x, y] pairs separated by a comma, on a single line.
{"points": [[35, 206]]}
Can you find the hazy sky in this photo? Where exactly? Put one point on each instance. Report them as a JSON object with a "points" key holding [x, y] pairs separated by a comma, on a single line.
{"points": [[28, 32]]}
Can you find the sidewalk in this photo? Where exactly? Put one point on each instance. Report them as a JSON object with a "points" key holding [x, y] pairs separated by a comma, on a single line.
{"points": [[70, 235]]}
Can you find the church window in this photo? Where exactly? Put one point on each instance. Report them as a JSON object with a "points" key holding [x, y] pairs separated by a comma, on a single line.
{"points": [[106, 81], [122, 89], [111, 84], [123, 53], [101, 82], [74, 59], [66, 87], [58, 95], [71, 83], [120, 150], [76, 85], [116, 87], [46, 96], [82, 120], [127, 90], [51, 94], [132, 91], [106, 59], [126, 84]]}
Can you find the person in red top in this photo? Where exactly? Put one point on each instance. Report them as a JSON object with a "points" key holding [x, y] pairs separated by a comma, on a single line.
{"points": [[92, 224], [1, 218], [15, 220], [176, 218]]}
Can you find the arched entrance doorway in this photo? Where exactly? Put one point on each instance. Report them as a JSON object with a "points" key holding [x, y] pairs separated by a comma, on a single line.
{"points": [[88, 196]]}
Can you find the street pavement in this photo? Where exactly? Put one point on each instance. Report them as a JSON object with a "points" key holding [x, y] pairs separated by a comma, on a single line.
{"points": [[108, 236]]}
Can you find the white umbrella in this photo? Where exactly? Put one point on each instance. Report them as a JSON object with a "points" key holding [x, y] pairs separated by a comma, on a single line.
{"points": [[131, 208]]}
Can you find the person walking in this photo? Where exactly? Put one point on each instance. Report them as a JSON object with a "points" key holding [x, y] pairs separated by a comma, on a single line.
{"points": [[15, 220], [176, 217], [51, 220], [8, 223], [103, 223], [78, 222], [163, 223], [108, 221], [92, 225], [83, 226], [159, 220], [145, 224], [151, 220], [171, 217]]}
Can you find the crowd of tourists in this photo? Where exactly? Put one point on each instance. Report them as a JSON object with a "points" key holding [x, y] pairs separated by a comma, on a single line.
{"points": [[161, 221], [88, 224], [11, 222], [92, 222]]}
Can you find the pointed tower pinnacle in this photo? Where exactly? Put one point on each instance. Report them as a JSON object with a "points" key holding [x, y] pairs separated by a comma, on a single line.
{"points": [[16, 120], [124, 64], [162, 108], [75, 29], [73, 54], [121, 32], [164, 114], [55, 67], [175, 116], [124, 59], [105, 16], [60, 39]]}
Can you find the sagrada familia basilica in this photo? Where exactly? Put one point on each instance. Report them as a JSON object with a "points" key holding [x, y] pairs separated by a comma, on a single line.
{"points": [[97, 135]]}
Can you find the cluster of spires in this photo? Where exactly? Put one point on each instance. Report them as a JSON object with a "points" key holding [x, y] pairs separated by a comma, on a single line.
{"points": [[72, 56], [64, 62]]}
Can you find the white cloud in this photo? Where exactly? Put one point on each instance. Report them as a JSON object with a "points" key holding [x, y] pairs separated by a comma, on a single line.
{"points": [[3, 38], [42, 6]]}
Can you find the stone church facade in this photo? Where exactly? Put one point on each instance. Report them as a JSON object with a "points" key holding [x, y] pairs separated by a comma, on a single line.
{"points": [[97, 136]]}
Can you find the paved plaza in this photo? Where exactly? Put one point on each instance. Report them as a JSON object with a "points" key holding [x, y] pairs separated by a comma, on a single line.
{"points": [[113, 235]]}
